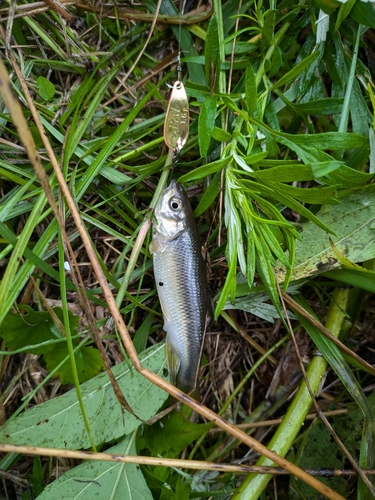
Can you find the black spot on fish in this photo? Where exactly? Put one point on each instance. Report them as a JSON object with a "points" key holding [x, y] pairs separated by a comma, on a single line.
{"points": [[161, 283]]}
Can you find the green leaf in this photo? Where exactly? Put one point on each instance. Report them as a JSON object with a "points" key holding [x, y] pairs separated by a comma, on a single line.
{"points": [[58, 423], [257, 304], [363, 12], [206, 124], [45, 88], [316, 448], [251, 94], [317, 196], [353, 222], [172, 436], [221, 135], [362, 279], [102, 479], [25, 331], [269, 19], [211, 51], [88, 360], [205, 170], [114, 175], [140, 338], [37, 477], [297, 70], [296, 173], [330, 106], [209, 195]]}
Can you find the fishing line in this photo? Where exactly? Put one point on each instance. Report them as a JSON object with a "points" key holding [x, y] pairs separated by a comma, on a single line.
{"points": [[176, 123]]}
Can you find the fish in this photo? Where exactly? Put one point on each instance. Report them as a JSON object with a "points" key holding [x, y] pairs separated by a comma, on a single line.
{"points": [[181, 282]]}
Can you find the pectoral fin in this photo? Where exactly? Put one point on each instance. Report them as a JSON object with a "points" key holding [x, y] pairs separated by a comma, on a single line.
{"points": [[174, 363]]}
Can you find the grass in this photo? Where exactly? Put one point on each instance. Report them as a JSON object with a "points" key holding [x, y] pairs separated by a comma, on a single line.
{"points": [[279, 166]]}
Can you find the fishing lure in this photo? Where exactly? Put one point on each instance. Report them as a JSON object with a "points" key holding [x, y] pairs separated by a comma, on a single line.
{"points": [[176, 124]]}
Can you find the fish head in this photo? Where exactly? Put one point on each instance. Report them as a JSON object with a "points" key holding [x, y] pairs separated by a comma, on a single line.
{"points": [[172, 211]]}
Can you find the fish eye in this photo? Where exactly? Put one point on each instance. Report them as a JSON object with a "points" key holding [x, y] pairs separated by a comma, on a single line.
{"points": [[175, 204]]}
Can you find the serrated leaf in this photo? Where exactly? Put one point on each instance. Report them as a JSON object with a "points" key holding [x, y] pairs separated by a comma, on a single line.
{"points": [[88, 361], [45, 88], [353, 222], [58, 423], [101, 479], [206, 124]]}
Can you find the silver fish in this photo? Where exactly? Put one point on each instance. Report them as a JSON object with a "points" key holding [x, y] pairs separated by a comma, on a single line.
{"points": [[181, 282]]}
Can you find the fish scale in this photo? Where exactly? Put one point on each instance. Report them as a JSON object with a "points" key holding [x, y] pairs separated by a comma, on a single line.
{"points": [[181, 281]]}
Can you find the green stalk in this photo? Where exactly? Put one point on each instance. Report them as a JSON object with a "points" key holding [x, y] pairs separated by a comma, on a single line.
{"points": [[69, 341], [254, 484], [345, 108], [218, 9]]}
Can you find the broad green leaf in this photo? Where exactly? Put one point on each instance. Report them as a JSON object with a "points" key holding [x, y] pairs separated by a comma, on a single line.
{"points": [[363, 12], [206, 124], [24, 331], [353, 222], [101, 479], [58, 423], [88, 361], [171, 435], [45, 88], [316, 448]]}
